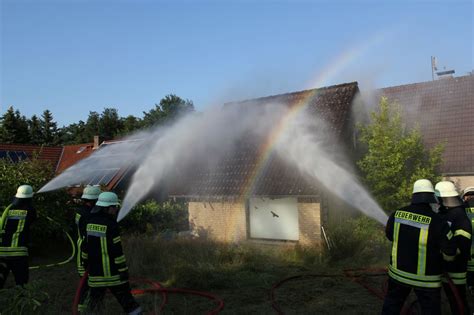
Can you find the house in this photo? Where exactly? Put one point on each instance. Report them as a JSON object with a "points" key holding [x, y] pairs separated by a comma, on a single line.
{"points": [[17, 152], [282, 205], [107, 164], [238, 201], [444, 111]]}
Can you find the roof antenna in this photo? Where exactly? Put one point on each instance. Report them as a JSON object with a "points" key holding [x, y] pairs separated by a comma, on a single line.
{"points": [[439, 74], [434, 67]]}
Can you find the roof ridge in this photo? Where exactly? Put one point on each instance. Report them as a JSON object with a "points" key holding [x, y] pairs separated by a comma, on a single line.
{"points": [[426, 83], [324, 88]]}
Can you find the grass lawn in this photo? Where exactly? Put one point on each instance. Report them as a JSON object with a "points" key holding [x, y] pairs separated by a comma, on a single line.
{"points": [[240, 275]]}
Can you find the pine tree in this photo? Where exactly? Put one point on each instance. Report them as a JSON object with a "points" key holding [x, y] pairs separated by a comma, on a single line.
{"points": [[49, 129], [13, 127], [34, 128]]}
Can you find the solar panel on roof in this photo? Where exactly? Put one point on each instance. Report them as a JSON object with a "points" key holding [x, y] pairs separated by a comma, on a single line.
{"points": [[14, 156], [102, 177], [22, 155]]}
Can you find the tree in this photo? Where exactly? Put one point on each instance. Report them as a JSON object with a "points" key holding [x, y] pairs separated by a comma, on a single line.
{"points": [[170, 107], [395, 157], [130, 124], [49, 129], [92, 127], [110, 124], [13, 127], [74, 134], [34, 129]]}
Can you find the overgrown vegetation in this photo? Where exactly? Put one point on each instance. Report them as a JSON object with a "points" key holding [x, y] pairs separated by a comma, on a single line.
{"points": [[55, 204], [152, 217], [359, 240], [396, 157], [23, 300], [240, 274]]}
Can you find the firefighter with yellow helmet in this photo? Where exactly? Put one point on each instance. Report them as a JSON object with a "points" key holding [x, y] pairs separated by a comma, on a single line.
{"points": [[420, 242], [15, 225]]}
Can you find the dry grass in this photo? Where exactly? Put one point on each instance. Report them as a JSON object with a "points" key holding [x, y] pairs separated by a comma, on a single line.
{"points": [[241, 275]]}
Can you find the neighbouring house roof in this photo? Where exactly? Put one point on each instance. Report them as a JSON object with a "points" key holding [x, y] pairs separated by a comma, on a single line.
{"points": [[444, 111], [73, 154], [105, 166], [232, 175], [50, 154]]}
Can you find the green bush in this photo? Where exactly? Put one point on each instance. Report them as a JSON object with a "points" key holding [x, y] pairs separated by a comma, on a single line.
{"points": [[152, 217], [361, 239], [23, 300], [55, 204]]}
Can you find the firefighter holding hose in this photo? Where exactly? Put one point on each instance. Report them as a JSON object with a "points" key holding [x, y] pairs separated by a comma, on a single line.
{"points": [[88, 199], [420, 242], [452, 211], [14, 236], [104, 258]]}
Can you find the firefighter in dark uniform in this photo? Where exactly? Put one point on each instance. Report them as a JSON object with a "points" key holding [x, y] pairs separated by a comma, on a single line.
{"points": [[420, 241], [15, 234], [452, 211], [104, 258], [88, 200], [468, 196]]}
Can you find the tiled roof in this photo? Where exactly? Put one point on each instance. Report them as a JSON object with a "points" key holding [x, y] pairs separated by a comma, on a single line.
{"points": [[444, 111], [233, 174], [73, 154], [51, 154]]}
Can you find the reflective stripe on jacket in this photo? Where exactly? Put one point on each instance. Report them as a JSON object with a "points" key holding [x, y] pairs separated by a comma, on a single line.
{"points": [[420, 241], [14, 236], [470, 215], [461, 228], [102, 252]]}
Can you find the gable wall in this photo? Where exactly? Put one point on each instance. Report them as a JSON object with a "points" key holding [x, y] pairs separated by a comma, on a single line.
{"points": [[227, 221]]}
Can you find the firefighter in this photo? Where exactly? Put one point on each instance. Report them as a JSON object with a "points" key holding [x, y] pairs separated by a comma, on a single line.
{"points": [[104, 258], [420, 241], [452, 211], [88, 200], [468, 197], [14, 236]]}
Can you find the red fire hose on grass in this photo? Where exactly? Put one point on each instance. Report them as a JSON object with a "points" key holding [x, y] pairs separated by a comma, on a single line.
{"points": [[156, 288]]}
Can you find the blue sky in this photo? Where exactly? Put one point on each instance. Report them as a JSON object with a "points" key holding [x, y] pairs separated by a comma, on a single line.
{"points": [[76, 56]]}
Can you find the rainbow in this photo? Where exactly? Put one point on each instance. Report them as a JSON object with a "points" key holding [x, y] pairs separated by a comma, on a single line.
{"points": [[325, 77]]}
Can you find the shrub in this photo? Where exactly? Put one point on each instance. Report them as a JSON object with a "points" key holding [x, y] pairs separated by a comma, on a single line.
{"points": [[55, 204], [23, 300], [151, 217], [360, 238]]}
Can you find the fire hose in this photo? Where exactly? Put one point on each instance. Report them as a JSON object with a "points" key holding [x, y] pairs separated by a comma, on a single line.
{"points": [[356, 275], [156, 288], [73, 249]]}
